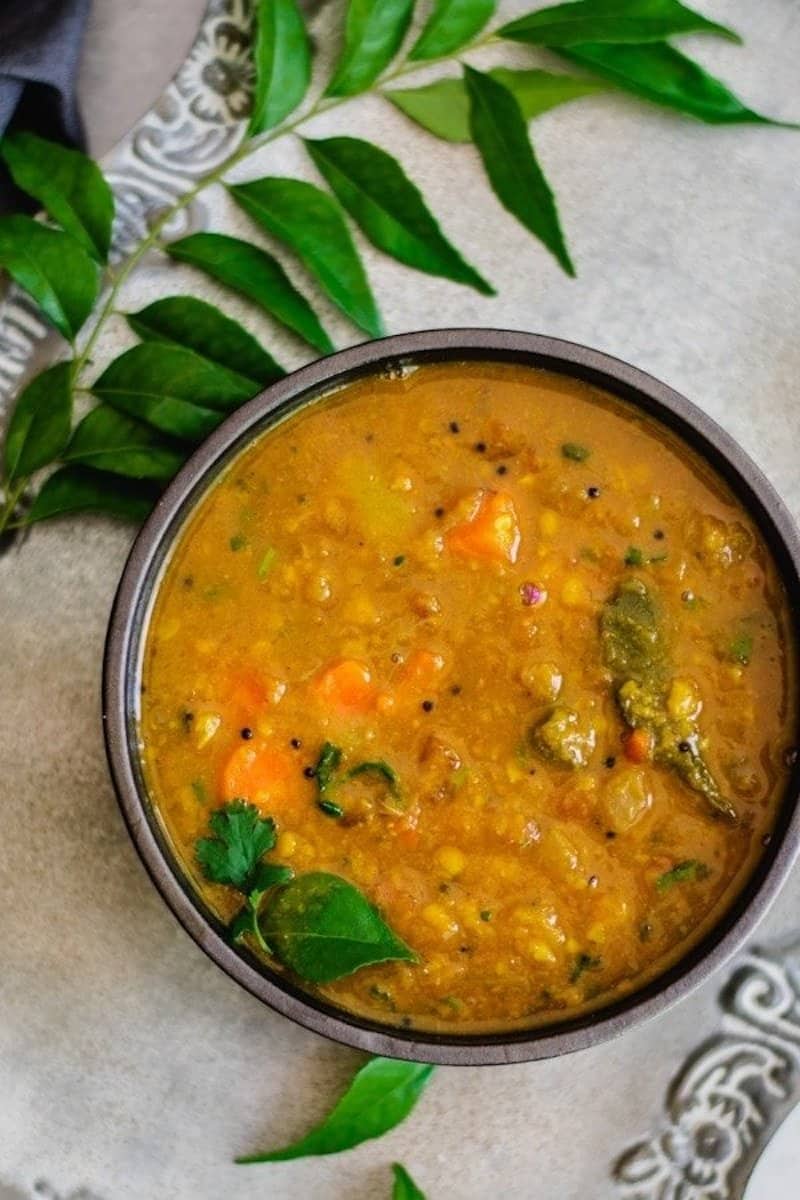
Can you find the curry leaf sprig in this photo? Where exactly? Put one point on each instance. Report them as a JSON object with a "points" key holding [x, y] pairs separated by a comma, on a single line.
{"points": [[317, 924], [194, 364]]}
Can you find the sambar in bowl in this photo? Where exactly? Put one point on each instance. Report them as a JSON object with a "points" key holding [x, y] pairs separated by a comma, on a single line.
{"points": [[451, 696]]}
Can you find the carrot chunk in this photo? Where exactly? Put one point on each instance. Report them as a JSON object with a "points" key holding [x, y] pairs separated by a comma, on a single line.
{"points": [[265, 775], [638, 745], [490, 532], [346, 686]]}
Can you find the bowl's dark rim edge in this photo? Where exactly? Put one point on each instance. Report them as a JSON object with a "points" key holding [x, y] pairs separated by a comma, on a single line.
{"points": [[127, 620]]}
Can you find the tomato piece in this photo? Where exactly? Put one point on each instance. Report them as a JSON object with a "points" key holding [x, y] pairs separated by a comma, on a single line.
{"points": [[638, 745], [490, 532]]}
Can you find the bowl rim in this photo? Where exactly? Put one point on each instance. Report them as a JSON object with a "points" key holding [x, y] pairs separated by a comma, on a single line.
{"points": [[128, 621]]}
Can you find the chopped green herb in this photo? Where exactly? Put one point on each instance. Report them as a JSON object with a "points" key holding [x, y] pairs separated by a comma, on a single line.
{"points": [[460, 777], [486, 914], [575, 451], [326, 767], [584, 962], [238, 542], [267, 562], [690, 871], [331, 808], [385, 997], [379, 767], [740, 648], [214, 591], [634, 557], [200, 793]]}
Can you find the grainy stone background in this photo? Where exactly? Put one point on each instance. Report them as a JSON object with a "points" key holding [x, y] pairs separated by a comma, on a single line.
{"points": [[130, 1067]]}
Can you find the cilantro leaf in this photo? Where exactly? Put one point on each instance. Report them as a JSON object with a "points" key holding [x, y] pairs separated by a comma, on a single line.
{"points": [[242, 838]]}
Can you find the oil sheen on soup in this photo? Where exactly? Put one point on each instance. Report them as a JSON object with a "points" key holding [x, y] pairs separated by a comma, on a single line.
{"points": [[553, 635]]}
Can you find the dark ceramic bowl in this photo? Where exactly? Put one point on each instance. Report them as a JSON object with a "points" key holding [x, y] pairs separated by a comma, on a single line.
{"points": [[123, 665]]}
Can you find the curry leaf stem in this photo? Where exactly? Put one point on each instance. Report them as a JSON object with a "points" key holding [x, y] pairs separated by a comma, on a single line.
{"points": [[12, 495]]}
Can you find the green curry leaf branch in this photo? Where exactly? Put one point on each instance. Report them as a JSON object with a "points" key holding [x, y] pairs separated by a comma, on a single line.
{"points": [[195, 364]]}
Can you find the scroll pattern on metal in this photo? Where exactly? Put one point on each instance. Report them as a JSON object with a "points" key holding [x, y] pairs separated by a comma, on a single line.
{"points": [[192, 128], [731, 1094]]}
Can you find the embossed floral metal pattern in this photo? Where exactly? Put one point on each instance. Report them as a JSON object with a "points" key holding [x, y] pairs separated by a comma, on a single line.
{"points": [[217, 77], [732, 1092]]}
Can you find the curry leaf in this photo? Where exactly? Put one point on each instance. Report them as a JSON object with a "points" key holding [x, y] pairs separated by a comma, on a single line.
{"points": [[663, 75], [381, 1095], [252, 272], [324, 928], [283, 63], [443, 107], [80, 489], [310, 223], [112, 441], [404, 1186], [241, 838], [172, 389], [382, 200], [187, 321], [498, 130], [610, 21], [68, 185], [39, 427], [52, 268], [373, 32], [450, 26]]}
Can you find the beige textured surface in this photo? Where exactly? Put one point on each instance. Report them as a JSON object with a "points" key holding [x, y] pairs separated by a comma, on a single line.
{"points": [[132, 49], [130, 1065]]}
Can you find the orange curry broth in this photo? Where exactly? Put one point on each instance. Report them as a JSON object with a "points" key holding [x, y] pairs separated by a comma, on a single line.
{"points": [[359, 575]]}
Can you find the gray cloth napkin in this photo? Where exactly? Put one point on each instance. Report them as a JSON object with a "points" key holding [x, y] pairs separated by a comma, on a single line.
{"points": [[40, 44]]}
